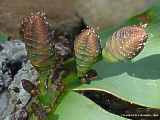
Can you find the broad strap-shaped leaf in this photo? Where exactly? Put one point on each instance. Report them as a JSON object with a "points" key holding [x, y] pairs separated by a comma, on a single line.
{"points": [[78, 107], [137, 82]]}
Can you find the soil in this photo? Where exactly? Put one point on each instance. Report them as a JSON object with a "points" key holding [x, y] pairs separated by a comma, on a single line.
{"points": [[58, 12]]}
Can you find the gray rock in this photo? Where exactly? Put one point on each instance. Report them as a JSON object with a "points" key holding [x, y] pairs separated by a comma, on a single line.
{"points": [[14, 67], [4, 101]]}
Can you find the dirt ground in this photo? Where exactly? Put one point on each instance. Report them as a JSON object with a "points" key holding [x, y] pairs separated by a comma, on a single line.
{"points": [[63, 11], [12, 11]]}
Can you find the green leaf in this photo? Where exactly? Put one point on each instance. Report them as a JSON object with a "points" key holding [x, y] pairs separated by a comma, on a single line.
{"points": [[137, 81], [78, 107]]}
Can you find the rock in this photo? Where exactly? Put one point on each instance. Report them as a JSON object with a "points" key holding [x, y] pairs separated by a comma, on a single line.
{"points": [[4, 101], [21, 114], [13, 52], [14, 67]]}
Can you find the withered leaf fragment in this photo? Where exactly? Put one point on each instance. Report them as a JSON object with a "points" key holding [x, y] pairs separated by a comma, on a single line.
{"points": [[39, 111], [30, 87]]}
